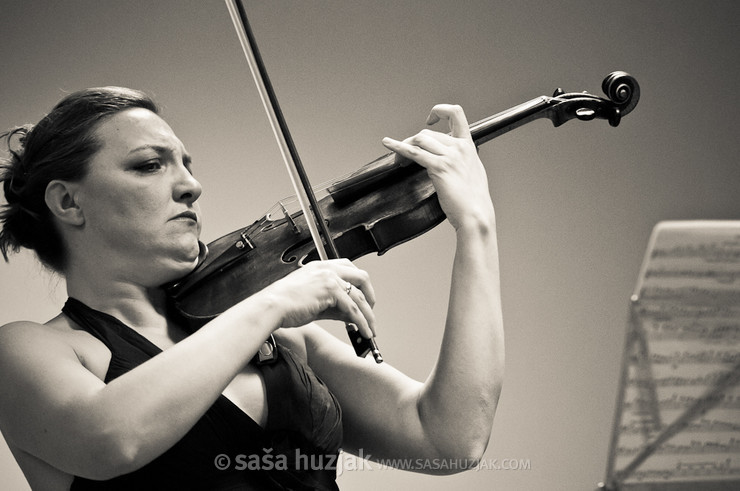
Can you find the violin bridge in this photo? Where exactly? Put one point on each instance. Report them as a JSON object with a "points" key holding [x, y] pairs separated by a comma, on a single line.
{"points": [[287, 216]]}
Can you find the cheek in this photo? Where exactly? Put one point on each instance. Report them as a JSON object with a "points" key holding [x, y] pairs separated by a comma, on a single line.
{"points": [[124, 210]]}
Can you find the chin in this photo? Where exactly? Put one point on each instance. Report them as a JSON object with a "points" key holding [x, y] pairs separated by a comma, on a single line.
{"points": [[179, 264], [188, 262], [189, 252]]}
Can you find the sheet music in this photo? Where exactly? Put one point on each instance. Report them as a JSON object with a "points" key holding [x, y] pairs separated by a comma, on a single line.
{"points": [[678, 415]]}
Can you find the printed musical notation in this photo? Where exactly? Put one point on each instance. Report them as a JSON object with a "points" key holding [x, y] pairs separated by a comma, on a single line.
{"points": [[698, 357], [678, 412], [693, 447], [689, 471], [679, 402], [702, 425]]}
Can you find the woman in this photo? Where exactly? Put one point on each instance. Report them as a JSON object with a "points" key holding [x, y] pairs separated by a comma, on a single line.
{"points": [[114, 393]]}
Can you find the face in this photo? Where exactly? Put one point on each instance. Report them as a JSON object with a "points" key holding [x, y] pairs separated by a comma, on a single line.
{"points": [[139, 198]]}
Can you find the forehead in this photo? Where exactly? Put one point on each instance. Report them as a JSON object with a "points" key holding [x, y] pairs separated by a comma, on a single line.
{"points": [[136, 128]]}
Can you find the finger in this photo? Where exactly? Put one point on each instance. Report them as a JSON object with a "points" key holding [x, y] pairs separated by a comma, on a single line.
{"points": [[358, 296], [455, 117], [353, 303], [433, 142], [411, 152], [365, 307], [359, 278]]}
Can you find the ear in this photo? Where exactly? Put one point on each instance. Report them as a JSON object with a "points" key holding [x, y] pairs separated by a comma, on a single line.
{"points": [[60, 198]]}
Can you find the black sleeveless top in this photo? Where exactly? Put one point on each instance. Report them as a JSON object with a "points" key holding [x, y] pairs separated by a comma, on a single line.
{"points": [[227, 450]]}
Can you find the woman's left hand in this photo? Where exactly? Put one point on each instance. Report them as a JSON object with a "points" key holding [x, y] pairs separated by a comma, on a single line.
{"points": [[450, 414], [453, 165]]}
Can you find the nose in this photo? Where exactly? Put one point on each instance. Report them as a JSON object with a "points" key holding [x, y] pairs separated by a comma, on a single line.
{"points": [[187, 187]]}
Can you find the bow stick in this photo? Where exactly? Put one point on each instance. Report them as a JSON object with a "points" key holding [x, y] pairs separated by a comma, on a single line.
{"points": [[304, 192]]}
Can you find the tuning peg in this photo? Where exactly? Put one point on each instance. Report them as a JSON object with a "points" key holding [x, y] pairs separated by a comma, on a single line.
{"points": [[585, 114]]}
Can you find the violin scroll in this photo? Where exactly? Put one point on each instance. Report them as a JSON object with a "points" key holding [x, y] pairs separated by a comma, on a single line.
{"points": [[623, 89], [623, 93]]}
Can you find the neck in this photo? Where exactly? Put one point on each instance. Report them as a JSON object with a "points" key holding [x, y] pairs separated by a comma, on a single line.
{"points": [[133, 304]]}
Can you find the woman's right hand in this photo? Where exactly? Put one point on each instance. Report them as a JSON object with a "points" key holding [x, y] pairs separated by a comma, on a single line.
{"points": [[334, 289]]}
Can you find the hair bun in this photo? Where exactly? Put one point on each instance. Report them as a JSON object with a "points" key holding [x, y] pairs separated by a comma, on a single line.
{"points": [[14, 175]]}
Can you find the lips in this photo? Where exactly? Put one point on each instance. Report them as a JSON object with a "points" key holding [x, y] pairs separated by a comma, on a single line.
{"points": [[187, 214]]}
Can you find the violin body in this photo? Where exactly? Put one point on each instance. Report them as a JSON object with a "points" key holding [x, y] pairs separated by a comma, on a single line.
{"points": [[245, 261], [384, 204]]}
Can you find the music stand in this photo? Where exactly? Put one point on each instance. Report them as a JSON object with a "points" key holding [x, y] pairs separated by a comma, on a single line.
{"points": [[677, 420]]}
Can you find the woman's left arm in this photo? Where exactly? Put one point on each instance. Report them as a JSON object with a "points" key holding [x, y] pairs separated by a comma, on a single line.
{"points": [[449, 416]]}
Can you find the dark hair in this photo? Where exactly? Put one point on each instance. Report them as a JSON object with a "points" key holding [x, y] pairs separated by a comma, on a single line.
{"points": [[58, 147]]}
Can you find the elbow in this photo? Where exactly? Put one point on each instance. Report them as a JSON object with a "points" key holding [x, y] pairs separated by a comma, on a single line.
{"points": [[454, 461], [465, 440], [111, 456], [476, 448], [460, 447], [467, 454], [459, 432], [123, 458]]}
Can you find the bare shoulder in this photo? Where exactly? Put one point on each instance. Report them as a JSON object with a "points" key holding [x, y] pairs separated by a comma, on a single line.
{"points": [[19, 332], [42, 369], [11, 328], [22, 341], [25, 343], [57, 330]]}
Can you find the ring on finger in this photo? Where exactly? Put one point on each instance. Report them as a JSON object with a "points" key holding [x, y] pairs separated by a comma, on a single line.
{"points": [[349, 288]]}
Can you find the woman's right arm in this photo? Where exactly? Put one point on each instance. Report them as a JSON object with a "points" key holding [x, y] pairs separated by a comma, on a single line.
{"points": [[55, 409], [58, 411]]}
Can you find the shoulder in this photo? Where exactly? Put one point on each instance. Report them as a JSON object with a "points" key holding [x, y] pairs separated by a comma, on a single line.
{"points": [[27, 343], [23, 339], [30, 353], [20, 331], [42, 365], [55, 329]]}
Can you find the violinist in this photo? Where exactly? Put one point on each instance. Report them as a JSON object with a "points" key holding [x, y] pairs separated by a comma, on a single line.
{"points": [[115, 393]]}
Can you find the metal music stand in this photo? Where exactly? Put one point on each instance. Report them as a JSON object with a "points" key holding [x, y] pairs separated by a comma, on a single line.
{"points": [[677, 420]]}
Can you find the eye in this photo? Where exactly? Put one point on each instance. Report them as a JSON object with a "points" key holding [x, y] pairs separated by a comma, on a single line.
{"points": [[148, 167], [187, 162]]}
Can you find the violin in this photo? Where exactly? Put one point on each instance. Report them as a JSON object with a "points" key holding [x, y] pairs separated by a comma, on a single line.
{"points": [[383, 204]]}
